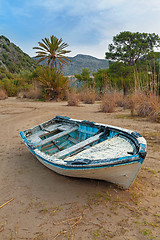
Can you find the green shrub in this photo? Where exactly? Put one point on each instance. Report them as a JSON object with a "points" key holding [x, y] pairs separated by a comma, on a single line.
{"points": [[53, 82], [6, 39], [5, 56], [11, 66], [9, 86], [6, 48]]}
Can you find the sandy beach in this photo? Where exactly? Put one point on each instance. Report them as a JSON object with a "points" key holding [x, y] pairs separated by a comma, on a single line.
{"points": [[44, 205]]}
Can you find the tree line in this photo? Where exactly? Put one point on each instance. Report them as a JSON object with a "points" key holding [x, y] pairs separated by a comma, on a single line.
{"points": [[133, 65]]}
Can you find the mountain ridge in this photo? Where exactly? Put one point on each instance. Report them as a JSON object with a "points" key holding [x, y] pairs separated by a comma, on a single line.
{"points": [[81, 61], [12, 58]]}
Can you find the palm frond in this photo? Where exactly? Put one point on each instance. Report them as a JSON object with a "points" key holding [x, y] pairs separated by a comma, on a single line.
{"points": [[52, 51]]}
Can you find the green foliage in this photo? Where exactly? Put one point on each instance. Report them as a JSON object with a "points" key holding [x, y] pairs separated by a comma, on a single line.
{"points": [[5, 39], [129, 47], [5, 74], [85, 78], [27, 76], [10, 86], [5, 56], [17, 49], [11, 66], [6, 48], [14, 83], [52, 51], [121, 77], [53, 82], [13, 58], [100, 79], [148, 70]]}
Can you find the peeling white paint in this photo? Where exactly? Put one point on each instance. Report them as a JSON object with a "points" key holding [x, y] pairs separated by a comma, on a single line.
{"points": [[109, 149]]}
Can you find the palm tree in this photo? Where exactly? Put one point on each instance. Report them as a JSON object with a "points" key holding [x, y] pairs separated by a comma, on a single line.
{"points": [[52, 52]]}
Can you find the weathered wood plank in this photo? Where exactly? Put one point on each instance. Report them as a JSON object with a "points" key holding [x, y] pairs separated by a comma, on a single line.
{"points": [[35, 137], [77, 146], [50, 128], [57, 136], [73, 140], [50, 132]]}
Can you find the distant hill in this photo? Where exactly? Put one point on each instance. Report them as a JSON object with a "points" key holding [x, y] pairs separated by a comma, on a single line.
{"points": [[81, 61], [12, 58], [84, 61]]}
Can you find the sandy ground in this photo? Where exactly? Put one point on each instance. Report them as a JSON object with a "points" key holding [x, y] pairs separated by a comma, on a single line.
{"points": [[45, 205]]}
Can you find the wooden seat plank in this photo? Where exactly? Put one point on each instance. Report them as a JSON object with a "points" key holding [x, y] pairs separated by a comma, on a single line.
{"points": [[77, 146], [58, 135]]}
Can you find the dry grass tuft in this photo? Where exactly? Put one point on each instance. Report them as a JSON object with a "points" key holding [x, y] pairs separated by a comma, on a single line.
{"points": [[34, 93], [108, 103], [144, 105], [148, 105], [88, 96], [73, 99], [156, 117], [3, 94], [118, 99]]}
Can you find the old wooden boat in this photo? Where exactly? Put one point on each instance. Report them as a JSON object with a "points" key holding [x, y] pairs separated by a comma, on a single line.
{"points": [[86, 149]]}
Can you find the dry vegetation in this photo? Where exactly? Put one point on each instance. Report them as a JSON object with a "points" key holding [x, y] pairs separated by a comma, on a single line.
{"points": [[140, 103], [73, 98], [33, 93], [148, 106], [88, 96], [108, 104], [3, 94], [110, 101]]}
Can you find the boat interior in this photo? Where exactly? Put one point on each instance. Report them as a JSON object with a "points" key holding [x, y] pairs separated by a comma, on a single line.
{"points": [[64, 138]]}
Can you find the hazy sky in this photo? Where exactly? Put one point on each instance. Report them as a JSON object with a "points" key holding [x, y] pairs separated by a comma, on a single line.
{"points": [[88, 26]]}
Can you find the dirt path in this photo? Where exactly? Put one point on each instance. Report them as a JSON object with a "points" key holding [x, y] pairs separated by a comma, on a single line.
{"points": [[49, 206]]}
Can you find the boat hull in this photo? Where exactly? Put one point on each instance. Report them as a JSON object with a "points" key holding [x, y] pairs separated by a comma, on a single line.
{"points": [[122, 175], [84, 149]]}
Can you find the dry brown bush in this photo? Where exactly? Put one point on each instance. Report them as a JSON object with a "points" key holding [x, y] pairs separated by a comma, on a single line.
{"points": [[108, 103], [3, 94], [156, 117], [118, 98], [148, 105], [73, 99], [132, 101], [34, 93], [144, 104], [88, 96]]}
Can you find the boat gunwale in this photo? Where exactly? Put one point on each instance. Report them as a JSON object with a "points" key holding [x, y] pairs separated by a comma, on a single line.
{"points": [[138, 140], [67, 164]]}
